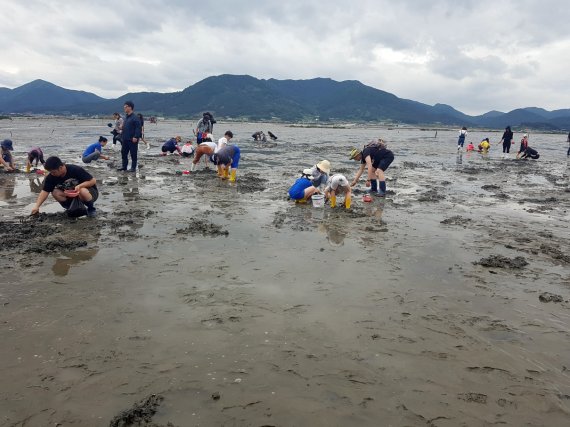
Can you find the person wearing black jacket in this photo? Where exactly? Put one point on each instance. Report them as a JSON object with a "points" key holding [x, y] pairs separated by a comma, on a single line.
{"points": [[132, 132], [507, 141]]}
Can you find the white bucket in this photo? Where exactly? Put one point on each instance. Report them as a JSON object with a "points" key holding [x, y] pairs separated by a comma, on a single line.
{"points": [[318, 200]]}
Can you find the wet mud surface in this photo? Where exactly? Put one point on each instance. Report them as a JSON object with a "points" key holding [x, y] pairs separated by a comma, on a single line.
{"points": [[191, 300]]}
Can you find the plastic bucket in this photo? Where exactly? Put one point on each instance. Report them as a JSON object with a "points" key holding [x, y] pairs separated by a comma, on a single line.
{"points": [[318, 200]]}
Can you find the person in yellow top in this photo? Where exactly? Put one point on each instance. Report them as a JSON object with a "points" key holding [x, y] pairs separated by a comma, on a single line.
{"points": [[484, 146]]}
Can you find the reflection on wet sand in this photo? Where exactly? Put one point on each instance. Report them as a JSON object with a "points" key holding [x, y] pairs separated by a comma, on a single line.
{"points": [[7, 187], [63, 264], [36, 184]]}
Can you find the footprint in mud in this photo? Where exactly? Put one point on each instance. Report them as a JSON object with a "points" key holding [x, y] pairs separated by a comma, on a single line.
{"points": [[473, 397]]}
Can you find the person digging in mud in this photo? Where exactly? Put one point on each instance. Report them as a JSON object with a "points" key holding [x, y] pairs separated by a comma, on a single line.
{"points": [[7, 159], [227, 161], [530, 153], [171, 146], [34, 155], [205, 149], [94, 151], [187, 149], [55, 184], [310, 181], [204, 128], [484, 146], [338, 184], [376, 158], [524, 145]]}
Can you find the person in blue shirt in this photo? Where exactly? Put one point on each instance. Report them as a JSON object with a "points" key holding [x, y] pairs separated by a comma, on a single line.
{"points": [[132, 133], [94, 151], [171, 146]]}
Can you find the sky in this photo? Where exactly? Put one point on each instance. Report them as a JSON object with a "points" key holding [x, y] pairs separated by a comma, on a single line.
{"points": [[476, 56]]}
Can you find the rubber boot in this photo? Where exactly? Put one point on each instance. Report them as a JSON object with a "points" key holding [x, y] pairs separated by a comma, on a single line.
{"points": [[333, 201], [28, 168], [347, 202], [220, 172], [233, 175], [193, 167], [226, 173]]}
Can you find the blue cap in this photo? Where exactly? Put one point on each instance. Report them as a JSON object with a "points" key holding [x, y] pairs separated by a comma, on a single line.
{"points": [[7, 145]]}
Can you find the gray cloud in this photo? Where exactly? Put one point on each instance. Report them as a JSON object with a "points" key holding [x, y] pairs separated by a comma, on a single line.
{"points": [[474, 55]]}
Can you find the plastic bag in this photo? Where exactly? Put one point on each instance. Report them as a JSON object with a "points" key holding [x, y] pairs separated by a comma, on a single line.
{"points": [[76, 209]]}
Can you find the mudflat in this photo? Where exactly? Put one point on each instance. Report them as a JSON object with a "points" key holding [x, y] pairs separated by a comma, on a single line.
{"points": [[191, 301]]}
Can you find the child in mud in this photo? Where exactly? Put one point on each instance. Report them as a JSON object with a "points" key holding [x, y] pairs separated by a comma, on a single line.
{"points": [[310, 181], [55, 183], [118, 128], [94, 151], [7, 159], [461, 138], [223, 141], [338, 184], [484, 146], [470, 147], [171, 146], [377, 158], [34, 155], [227, 161], [187, 149], [524, 145]]}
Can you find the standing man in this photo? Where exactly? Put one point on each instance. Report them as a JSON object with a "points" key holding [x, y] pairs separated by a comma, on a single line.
{"points": [[132, 132]]}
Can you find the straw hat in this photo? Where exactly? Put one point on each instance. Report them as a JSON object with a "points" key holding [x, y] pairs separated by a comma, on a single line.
{"points": [[353, 153], [325, 166]]}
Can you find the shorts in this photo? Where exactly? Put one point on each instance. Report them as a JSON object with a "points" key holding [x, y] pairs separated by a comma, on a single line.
{"points": [[297, 190], [382, 163], [94, 193], [187, 154], [170, 150]]}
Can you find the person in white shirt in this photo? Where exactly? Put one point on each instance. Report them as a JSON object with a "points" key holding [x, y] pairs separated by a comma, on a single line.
{"points": [[338, 184], [222, 142]]}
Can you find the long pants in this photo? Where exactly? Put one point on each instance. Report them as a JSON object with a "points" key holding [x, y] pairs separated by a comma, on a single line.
{"points": [[133, 149], [91, 157], [200, 151], [506, 146]]}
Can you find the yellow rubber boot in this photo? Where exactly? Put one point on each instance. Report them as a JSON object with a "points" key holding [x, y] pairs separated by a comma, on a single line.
{"points": [[233, 175], [333, 201], [347, 202], [28, 168], [220, 172], [226, 173]]}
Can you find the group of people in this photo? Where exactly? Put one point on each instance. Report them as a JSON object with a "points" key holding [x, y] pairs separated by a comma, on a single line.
{"points": [[507, 140], [259, 136], [66, 182], [374, 157]]}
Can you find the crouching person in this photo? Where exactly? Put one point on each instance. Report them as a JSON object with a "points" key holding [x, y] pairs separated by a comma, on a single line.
{"points": [[310, 181], [336, 185], [60, 175], [95, 151], [227, 160]]}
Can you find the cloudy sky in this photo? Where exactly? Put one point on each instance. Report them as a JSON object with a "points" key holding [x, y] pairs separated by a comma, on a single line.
{"points": [[475, 55]]}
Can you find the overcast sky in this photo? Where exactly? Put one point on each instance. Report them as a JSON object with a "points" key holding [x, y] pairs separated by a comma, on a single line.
{"points": [[475, 55]]}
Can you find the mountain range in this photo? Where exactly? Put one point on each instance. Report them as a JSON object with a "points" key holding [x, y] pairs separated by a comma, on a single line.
{"points": [[243, 97]]}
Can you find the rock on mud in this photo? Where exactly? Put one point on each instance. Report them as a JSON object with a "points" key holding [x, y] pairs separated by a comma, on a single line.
{"points": [[140, 414], [499, 261], [548, 297]]}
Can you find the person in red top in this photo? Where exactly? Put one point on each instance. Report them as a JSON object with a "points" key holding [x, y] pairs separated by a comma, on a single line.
{"points": [[524, 145]]}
